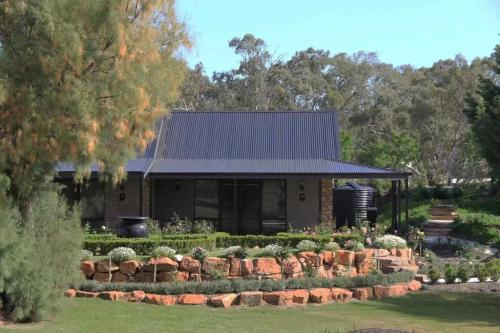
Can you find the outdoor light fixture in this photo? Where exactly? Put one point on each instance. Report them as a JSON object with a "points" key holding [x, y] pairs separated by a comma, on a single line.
{"points": [[178, 185], [301, 185]]}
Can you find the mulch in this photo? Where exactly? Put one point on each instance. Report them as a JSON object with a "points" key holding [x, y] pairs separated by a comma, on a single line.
{"points": [[471, 287]]}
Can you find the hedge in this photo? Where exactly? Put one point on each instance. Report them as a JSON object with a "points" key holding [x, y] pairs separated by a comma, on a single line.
{"points": [[284, 239], [240, 285]]}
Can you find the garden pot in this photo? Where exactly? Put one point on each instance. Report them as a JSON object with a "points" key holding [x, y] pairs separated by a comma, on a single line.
{"points": [[133, 226]]}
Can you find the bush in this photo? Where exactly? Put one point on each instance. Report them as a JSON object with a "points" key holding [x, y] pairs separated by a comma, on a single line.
{"points": [[39, 257], [236, 251], [282, 238], [450, 273], [178, 225], [475, 229], [241, 285], [163, 251], [494, 269], [86, 255], [341, 239], [307, 245], [354, 246], [389, 242], [199, 253], [121, 254], [434, 274], [332, 246], [277, 251], [465, 271], [482, 272]]}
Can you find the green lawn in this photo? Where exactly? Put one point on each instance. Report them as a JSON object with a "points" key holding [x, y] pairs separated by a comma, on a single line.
{"points": [[426, 312]]}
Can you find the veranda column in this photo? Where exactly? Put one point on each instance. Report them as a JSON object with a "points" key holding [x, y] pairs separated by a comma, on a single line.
{"points": [[326, 200]]}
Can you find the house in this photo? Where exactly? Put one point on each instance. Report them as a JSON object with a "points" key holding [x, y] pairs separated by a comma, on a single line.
{"points": [[247, 172]]}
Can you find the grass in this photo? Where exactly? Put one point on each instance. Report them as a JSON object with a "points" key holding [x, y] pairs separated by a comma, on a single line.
{"points": [[425, 312]]}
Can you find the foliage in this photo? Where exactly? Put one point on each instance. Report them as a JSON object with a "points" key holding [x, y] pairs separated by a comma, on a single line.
{"points": [[415, 237], [450, 273], [199, 253], [86, 255], [121, 254], [306, 245], [434, 274], [494, 269], [341, 239], [472, 228], [351, 245], [277, 251], [163, 251], [217, 274], [465, 270], [282, 238], [483, 112], [178, 225], [482, 272], [389, 242], [154, 227], [332, 246], [39, 259], [240, 285], [115, 65], [236, 251]]}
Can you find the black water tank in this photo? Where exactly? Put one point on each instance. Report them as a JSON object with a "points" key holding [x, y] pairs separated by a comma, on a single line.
{"points": [[350, 201]]}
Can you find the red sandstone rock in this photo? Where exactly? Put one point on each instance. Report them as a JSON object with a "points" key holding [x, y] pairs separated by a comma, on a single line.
{"points": [[414, 285], [70, 293], [136, 296], [129, 267], [364, 262], [393, 252], [363, 294], [246, 267], [159, 299], [192, 299], [194, 277], [310, 259], [88, 269], [278, 298], [234, 266], [343, 257], [190, 265], [265, 266], [390, 291], [215, 263], [144, 277], [299, 296], [341, 295], [102, 266], [250, 298], [112, 295], [101, 277], [86, 294], [404, 253], [323, 272], [120, 277], [172, 277], [320, 295], [163, 264], [328, 258], [223, 301], [274, 277], [380, 253]]}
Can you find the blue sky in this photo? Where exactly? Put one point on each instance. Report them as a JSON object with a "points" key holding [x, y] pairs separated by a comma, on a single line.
{"points": [[400, 31]]}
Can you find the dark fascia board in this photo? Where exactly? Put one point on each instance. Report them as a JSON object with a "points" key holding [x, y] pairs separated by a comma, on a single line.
{"points": [[398, 176]]}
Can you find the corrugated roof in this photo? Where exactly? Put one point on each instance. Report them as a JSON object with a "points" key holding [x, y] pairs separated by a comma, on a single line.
{"points": [[244, 143]]}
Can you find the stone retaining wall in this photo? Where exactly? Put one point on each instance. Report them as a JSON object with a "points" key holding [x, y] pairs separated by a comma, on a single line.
{"points": [[256, 298], [326, 264]]}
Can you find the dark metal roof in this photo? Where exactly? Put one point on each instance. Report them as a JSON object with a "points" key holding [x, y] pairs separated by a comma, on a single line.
{"points": [[249, 143]]}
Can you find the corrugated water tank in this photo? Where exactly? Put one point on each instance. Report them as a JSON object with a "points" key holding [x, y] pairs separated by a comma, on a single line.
{"points": [[350, 203]]}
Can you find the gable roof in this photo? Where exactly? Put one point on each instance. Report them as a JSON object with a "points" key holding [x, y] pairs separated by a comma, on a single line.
{"points": [[249, 143]]}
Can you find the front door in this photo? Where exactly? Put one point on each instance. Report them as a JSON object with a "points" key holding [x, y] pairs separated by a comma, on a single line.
{"points": [[249, 207]]}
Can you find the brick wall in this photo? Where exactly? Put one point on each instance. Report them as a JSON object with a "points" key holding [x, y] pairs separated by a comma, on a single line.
{"points": [[130, 205]]}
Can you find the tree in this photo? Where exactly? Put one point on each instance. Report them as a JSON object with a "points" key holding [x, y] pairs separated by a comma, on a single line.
{"points": [[83, 82], [483, 112]]}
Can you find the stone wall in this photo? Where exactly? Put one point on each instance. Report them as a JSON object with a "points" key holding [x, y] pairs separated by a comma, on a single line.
{"points": [[326, 200]]}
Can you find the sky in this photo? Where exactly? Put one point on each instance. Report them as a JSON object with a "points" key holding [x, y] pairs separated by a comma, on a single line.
{"points": [[416, 32]]}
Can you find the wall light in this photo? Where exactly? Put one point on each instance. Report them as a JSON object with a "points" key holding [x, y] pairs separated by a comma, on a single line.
{"points": [[178, 185]]}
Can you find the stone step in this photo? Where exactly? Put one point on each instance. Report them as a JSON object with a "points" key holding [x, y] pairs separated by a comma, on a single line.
{"points": [[438, 212], [437, 232], [438, 223], [443, 218]]}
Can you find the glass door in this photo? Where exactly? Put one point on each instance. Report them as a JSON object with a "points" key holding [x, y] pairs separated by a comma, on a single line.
{"points": [[249, 206]]}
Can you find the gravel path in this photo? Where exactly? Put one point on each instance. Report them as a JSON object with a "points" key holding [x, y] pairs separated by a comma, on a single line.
{"points": [[471, 287]]}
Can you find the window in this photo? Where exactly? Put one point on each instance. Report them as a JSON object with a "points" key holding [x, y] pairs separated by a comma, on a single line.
{"points": [[206, 200], [273, 206]]}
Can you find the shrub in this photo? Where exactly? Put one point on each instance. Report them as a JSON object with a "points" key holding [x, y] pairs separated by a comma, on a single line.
{"points": [[332, 246], [494, 269], [236, 251], [450, 273], [202, 227], [86, 255], [241, 285], [39, 257], [465, 270], [434, 274], [342, 238], [475, 229], [482, 272], [277, 251], [284, 239], [389, 242], [217, 274], [199, 253], [121, 254], [354, 246], [306, 245], [154, 227], [163, 251]]}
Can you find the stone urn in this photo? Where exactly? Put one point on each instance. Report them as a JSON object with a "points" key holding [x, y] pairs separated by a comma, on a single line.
{"points": [[133, 226]]}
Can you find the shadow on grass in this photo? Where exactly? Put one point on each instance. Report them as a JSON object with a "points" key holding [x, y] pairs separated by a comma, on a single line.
{"points": [[465, 308]]}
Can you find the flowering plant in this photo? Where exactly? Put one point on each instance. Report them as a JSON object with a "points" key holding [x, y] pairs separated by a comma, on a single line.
{"points": [[352, 245], [199, 253], [332, 246], [86, 255], [390, 242], [306, 245], [121, 254], [276, 251], [163, 251], [236, 251]]}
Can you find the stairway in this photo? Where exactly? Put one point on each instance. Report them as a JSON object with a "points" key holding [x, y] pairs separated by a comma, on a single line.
{"points": [[441, 221]]}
